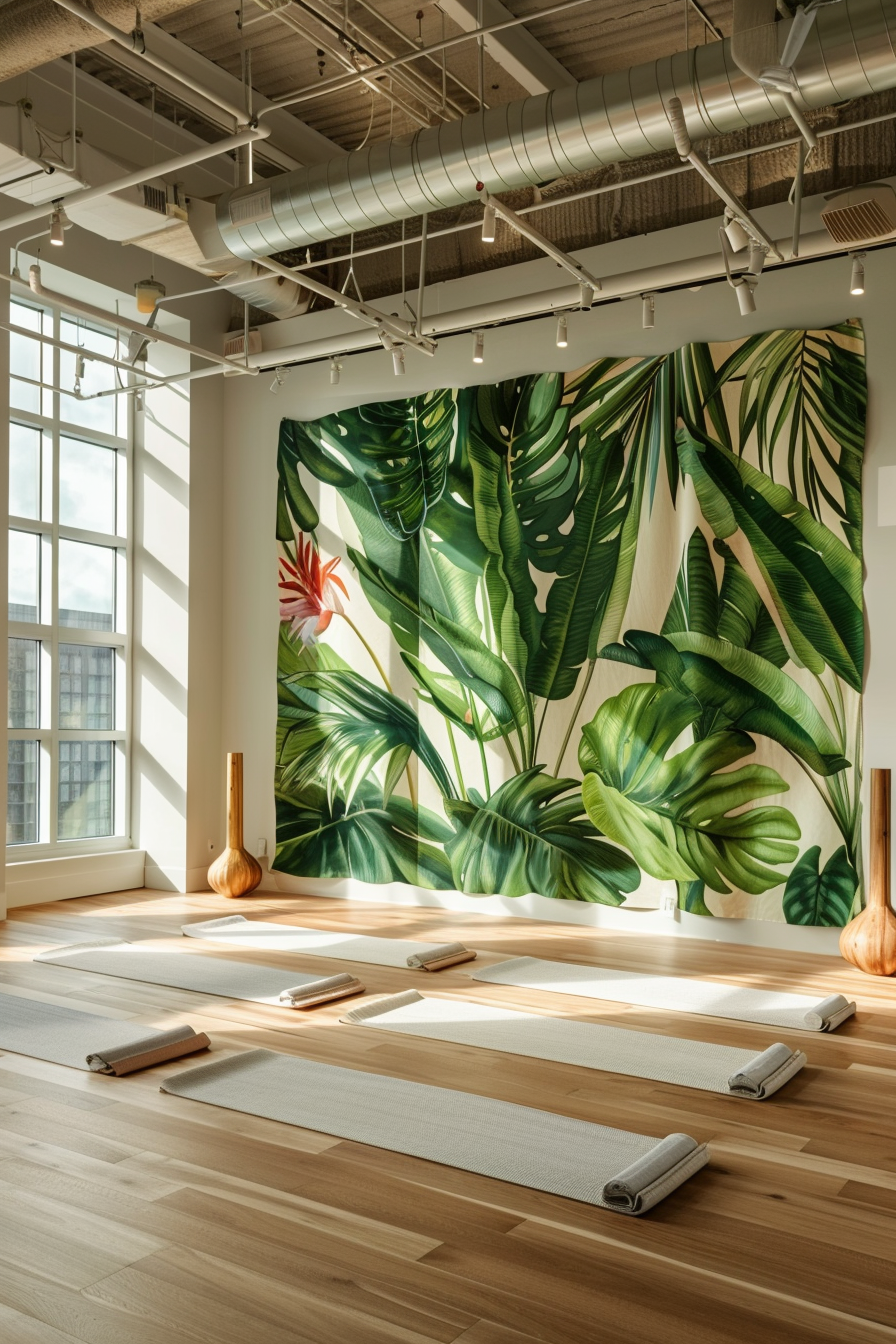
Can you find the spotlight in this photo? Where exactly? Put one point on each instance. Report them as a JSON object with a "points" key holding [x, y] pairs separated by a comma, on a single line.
{"points": [[279, 380], [79, 374], [489, 216], [478, 347], [586, 295], [758, 253], [562, 332], [857, 282], [335, 370], [58, 224], [744, 286], [398, 361], [736, 233], [648, 310]]}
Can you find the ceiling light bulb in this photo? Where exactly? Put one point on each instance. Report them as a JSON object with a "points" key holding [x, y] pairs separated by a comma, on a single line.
{"points": [[57, 228], [562, 332], [648, 310], [857, 282], [489, 216], [398, 361], [335, 370], [745, 297], [586, 295], [478, 347], [736, 234]]}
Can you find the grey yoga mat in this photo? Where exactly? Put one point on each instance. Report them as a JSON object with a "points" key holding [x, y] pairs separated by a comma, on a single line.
{"points": [[667, 1059], [88, 1040], [629, 1173], [238, 931], [672, 993], [204, 975]]}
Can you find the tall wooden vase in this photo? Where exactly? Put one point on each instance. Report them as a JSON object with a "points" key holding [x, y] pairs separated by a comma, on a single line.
{"points": [[869, 940], [235, 872]]}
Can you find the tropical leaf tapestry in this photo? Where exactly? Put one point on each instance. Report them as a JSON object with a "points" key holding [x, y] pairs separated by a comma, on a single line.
{"points": [[599, 636]]}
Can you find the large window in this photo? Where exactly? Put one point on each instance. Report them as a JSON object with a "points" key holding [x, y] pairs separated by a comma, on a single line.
{"points": [[69, 464]]}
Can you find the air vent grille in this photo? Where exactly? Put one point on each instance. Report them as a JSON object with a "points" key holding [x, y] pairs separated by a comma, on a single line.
{"points": [[251, 209], [234, 346], [155, 198], [857, 216]]}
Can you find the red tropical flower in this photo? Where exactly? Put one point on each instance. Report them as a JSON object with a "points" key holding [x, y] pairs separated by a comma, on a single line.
{"points": [[309, 592]]}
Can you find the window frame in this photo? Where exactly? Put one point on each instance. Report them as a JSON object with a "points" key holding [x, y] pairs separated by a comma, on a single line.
{"points": [[48, 633]]}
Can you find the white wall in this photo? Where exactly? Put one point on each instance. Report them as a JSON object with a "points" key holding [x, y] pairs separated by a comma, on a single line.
{"points": [[811, 295]]}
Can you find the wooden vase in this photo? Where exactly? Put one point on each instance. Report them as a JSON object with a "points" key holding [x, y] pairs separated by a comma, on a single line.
{"points": [[869, 940], [235, 872]]}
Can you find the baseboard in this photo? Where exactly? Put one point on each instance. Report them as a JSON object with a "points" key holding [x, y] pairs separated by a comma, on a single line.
{"points": [[40, 880], [680, 924]]}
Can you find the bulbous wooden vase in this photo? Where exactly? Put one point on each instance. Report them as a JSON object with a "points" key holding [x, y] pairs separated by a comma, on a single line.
{"points": [[235, 872], [869, 940]]}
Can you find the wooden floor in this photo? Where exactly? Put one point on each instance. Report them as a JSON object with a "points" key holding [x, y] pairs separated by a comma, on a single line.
{"points": [[132, 1217]]}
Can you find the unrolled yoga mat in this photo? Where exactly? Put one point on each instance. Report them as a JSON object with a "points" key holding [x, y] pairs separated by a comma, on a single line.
{"points": [[672, 992], [241, 932], [87, 1040], [205, 975], [608, 1167], [714, 1068]]}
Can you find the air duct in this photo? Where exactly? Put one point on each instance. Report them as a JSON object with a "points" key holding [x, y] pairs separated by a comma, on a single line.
{"points": [[849, 53], [33, 32]]}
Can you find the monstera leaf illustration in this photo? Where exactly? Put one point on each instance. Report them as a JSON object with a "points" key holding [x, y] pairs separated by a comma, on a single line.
{"points": [[735, 688], [815, 895], [369, 840], [532, 836], [398, 449], [675, 815]]}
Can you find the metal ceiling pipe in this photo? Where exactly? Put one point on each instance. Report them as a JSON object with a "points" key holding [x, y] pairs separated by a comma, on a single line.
{"points": [[618, 117], [33, 32]]}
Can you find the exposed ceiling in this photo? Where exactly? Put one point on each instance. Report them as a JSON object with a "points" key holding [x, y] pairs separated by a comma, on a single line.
{"points": [[293, 45]]}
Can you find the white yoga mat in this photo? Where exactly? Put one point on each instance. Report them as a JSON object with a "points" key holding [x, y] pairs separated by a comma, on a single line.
{"points": [[629, 1173], [672, 993], [88, 1040], [238, 931], [666, 1059], [204, 975]]}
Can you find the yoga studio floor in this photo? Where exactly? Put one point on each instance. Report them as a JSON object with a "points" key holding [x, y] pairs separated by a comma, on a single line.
{"points": [[132, 1217]]}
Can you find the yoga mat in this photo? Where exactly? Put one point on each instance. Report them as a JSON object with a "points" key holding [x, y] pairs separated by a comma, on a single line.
{"points": [[714, 1068], [241, 932], [629, 1173], [205, 975], [672, 992], [87, 1040]]}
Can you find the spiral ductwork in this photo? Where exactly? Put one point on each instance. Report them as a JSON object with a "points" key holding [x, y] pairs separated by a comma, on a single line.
{"points": [[610, 119]]}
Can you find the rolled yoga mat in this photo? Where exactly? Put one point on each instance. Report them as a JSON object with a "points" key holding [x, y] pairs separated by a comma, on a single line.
{"points": [[629, 1173], [204, 975], [87, 1040], [673, 993], [666, 1059], [241, 932]]}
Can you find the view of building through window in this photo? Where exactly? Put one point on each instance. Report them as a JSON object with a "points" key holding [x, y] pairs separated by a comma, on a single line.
{"points": [[68, 582]]}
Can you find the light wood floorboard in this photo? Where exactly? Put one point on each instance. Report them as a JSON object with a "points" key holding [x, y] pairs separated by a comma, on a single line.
{"points": [[133, 1217]]}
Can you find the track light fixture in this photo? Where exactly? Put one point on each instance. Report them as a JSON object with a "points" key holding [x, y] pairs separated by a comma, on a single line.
{"points": [[279, 379], [586, 295], [758, 254], [648, 310], [562, 332], [489, 218], [735, 232], [744, 287], [478, 347], [857, 280], [335, 370], [59, 222], [79, 374], [398, 361]]}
